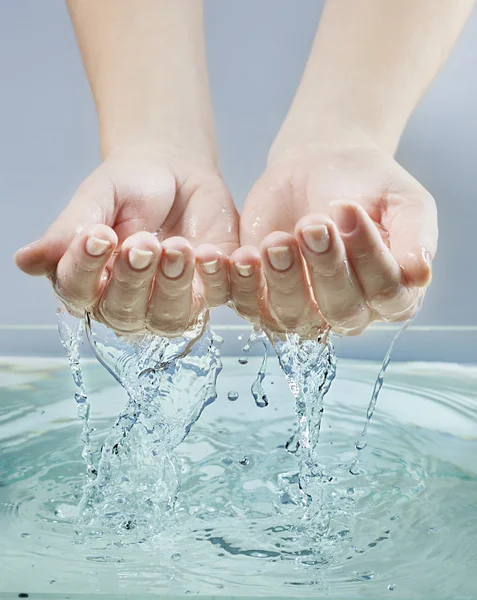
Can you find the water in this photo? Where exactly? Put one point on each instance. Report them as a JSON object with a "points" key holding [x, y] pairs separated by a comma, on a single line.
{"points": [[404, 527], [137, 479]]}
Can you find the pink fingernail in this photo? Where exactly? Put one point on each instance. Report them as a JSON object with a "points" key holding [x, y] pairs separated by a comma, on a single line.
{"points": [[173, 263], [139, 259], [244, 270], [96, 246], [280, 257], [344, 215], [317, 238], [211, 266]]}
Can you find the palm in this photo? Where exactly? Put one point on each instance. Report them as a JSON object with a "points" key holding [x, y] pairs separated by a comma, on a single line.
{"points": [[301, 186], [103, 252], [174, 199], [345, 238]]}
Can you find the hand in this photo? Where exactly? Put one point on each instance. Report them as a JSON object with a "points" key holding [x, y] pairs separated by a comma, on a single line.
{"points": [[103, 256], [345, 238]]}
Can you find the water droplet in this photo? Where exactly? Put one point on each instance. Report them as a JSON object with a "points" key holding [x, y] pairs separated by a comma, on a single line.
{"points": [[350, 491], [176, 556], [221, 480], [360, 445], [244, 461], [262, 401], [240, 338], [432, 530], [391, 587], [25, 535], [354, 469], [80, 398], [232, 396], [242, 360], [53, 581], [227, 460]]}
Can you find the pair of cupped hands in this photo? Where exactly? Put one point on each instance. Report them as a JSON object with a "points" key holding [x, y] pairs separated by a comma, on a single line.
{"points": [[328, 239]]}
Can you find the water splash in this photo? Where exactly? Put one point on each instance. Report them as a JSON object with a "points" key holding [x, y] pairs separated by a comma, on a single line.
{"points": [[258, 393], [169, 382], [310, 368], [71, 332], [360, 443]]}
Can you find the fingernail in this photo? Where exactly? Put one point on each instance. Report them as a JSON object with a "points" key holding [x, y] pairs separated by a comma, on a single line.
{"points": [[345, 217], [211, 266], [244, 270], [96, 246], [173, 263], [280, 257], [140, 259], [317, 238]]}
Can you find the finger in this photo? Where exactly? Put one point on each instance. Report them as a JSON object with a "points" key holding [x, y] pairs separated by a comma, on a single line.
{"points": [[246, 282], [79, 278], [335, 288], [378, 273], [288, 291], [89, 206], [124, 302], [213, 266], [173, 306], [413, 233]]}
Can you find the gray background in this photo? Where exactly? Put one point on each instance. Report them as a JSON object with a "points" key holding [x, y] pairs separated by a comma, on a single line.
{"points": [[257, 50]]}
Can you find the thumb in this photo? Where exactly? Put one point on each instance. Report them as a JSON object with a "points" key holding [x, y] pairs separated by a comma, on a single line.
{"points": [[92, 204], [413, 232]]}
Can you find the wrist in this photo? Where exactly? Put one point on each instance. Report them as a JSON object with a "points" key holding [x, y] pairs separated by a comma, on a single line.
{"points": [[152, 152], [332, 131], [199, 149]]}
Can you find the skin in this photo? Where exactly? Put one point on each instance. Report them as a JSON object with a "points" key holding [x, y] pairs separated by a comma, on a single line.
{"points": [[333, 209], [334, 234], [160, 173]]}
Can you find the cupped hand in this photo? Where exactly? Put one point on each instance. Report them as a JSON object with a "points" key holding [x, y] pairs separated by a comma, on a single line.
{"points": [[127, 245], [333, 239]]}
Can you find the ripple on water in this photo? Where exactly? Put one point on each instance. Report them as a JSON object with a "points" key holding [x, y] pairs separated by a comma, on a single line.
{"points": [[398, 528]]}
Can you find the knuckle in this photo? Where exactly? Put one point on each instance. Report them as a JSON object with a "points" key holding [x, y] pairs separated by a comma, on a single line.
{"points": [[367, 254], [330, 272], [173, 295], [127, 285], [244, 288], [168, 323]]}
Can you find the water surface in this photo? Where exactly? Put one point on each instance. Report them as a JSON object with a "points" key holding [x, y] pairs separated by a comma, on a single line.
{"points": [[404, 527]]}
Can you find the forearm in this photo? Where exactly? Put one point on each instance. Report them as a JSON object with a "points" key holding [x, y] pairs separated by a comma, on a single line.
{"points": [[145, 60], [371, 62]]}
